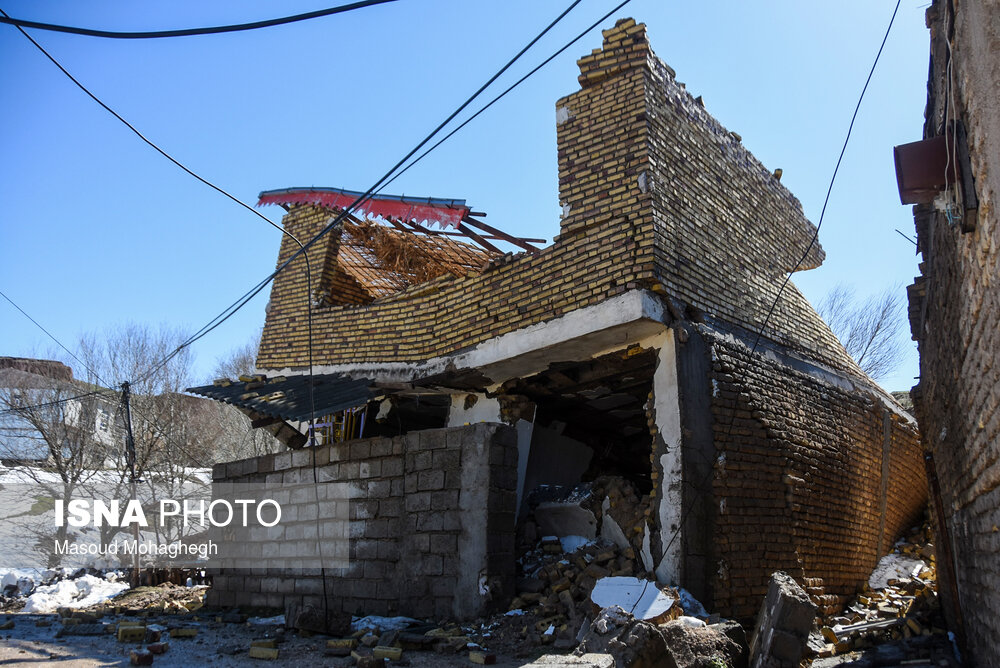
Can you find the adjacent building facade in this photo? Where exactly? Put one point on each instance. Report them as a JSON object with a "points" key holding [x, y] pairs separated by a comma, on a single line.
{"points": [[955, 312]]}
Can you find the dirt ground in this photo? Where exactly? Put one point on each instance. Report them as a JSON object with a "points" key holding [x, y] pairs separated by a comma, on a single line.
{"points": [[222, 638], [217, 644]]}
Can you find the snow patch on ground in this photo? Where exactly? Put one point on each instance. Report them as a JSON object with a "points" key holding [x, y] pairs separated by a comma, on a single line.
{"points": [[12, 575], [894, 566], [380, 624], [691, 622], [82, 592], [277, 620]]}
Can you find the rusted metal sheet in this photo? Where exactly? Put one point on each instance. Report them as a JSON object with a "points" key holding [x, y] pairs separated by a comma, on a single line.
{"points": [[921, 168]]}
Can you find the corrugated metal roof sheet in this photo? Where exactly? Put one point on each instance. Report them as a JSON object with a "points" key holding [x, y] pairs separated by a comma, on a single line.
{"points": [[287, 398]]}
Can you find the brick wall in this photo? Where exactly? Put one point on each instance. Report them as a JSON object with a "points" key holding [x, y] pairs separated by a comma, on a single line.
{"points": [[955, 316], [798, 479], [432, 514]]}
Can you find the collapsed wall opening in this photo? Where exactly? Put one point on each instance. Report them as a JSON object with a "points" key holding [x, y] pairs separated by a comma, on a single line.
{"points": [[588, 469], [595, 409], [401, 413]]}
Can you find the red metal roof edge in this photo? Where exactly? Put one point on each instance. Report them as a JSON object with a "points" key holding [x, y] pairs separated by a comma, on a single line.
{"points": [[444, 212]]}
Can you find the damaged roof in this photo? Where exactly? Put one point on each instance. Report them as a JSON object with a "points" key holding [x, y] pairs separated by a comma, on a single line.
{"points": [[388, 242], [287, 398]]}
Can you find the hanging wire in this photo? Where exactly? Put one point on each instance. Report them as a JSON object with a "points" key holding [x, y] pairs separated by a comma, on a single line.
{"points": [[189, 32]]}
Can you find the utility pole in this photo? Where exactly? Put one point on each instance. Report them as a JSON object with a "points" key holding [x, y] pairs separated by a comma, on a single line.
{"points": [[133, 479]]}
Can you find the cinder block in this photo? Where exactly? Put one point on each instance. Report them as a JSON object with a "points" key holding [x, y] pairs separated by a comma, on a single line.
{"points": [[131, 634], [141, 657]]}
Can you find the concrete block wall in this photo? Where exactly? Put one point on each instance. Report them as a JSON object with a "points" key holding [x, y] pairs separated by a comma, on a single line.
{"points": [[798, 480], [955, 318], [431, 526]]}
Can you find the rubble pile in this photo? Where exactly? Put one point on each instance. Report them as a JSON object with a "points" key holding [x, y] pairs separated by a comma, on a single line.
{"points": [[571, 538], [167, 598], [557, 584], [898, 611], [684, 642]]}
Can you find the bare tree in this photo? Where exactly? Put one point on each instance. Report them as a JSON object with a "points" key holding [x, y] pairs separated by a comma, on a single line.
{"points": [[240, 440], [240, 360], [63, 430], [869, 329]]}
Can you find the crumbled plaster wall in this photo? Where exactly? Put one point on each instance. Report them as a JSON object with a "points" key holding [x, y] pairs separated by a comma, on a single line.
{"points": [[955, 316]]}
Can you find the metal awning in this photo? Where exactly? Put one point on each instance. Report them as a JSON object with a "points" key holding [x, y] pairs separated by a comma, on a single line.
{"points": [[287, 397]]}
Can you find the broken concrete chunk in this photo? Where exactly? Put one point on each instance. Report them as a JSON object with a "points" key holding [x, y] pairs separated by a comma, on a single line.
{"points": [[308, 618], [689, 644], [783, 625], [611, 618], [637, 644], [141, 657]]}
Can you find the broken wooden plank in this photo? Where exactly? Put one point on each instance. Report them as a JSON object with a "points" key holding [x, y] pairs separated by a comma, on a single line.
{"points": [[500, 233]]}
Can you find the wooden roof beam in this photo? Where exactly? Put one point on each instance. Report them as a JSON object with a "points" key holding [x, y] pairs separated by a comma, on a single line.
{"points": [[521, 243]]}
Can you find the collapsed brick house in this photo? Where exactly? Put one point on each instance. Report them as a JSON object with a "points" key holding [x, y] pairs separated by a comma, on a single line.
{"points": [[955, 311], [623, 347]]}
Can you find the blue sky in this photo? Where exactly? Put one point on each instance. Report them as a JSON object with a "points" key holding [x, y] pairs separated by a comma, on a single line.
{"points": [[97, 229]]}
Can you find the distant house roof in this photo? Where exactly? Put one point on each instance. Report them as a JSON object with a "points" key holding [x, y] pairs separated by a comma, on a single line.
{"points": [[46, 368]]}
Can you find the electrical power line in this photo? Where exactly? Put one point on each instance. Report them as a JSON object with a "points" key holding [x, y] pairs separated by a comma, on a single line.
{"points": [[21, 409], [812, 242], [142, 136], [189, 32], [509, 89], [900, 233]]}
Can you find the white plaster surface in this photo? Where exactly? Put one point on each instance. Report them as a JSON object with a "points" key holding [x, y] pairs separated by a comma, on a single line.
{"points": [[486, 409], [609, 527], [666, 403]]}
